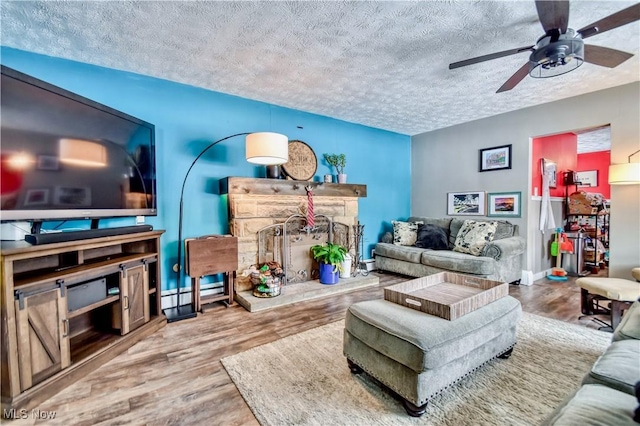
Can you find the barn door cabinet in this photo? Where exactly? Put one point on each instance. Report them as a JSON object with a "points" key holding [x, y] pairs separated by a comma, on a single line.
{"points": [[68, 308], [132, 310], [43, 335]]}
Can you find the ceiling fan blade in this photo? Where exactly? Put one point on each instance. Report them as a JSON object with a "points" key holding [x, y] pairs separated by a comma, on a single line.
{"points": [[515, 79], [618, 19], [489, 57], [553, 14], [604, 56]]}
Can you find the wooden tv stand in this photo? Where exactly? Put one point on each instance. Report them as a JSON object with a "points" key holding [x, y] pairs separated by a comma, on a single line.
{"points": [[112, 286]]}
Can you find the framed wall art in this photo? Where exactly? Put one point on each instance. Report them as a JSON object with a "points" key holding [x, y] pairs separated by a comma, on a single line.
{"points": [[549, 167], [504, 204], [587, 178], [466, 203], [496, 158], [36, 197]]}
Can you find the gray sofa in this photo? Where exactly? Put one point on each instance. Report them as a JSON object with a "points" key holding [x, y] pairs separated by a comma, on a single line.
{"points": [[609, 392], [500, 260]]}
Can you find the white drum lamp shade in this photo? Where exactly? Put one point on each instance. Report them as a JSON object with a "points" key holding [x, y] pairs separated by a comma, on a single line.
{"points": [[266, 148], [624, 174], [83, 153]]}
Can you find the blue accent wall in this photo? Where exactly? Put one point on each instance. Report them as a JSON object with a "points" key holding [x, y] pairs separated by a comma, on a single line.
{"points": [[188, 118]]}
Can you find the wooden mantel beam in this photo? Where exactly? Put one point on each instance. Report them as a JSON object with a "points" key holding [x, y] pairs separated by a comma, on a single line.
{"points": [[260, 186]]}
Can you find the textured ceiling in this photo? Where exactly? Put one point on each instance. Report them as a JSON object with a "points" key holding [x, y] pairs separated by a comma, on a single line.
{"points": [[593, 140], [381, 64]]}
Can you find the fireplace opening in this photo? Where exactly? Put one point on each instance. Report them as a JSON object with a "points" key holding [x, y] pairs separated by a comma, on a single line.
{"points": [[289, 244]]}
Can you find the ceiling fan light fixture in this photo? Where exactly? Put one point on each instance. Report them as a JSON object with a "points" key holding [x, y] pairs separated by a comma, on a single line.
{"points": [[553, 58]]}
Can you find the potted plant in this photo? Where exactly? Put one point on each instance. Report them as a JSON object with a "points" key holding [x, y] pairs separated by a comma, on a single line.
{"points": [[338, 161], [330, 257]]}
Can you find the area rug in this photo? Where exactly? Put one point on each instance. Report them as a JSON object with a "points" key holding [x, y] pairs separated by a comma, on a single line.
{"points": [[304, 380]]}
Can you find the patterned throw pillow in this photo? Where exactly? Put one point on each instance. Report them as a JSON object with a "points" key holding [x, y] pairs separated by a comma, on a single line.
{"points": [[474, 235], [405, 233]]}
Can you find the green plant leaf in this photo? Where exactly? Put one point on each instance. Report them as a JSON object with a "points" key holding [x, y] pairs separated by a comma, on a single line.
{"points": [[339, 161], [332, 254]]}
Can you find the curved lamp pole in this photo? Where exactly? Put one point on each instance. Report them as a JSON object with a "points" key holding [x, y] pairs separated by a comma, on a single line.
{"points": [[261, 148]]}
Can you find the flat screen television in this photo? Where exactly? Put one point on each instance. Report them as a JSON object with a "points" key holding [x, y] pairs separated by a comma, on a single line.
{"points": [[64, 156]]}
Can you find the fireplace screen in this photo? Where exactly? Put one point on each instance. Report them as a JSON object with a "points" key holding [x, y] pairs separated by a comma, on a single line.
{"points": [[289, 244]]}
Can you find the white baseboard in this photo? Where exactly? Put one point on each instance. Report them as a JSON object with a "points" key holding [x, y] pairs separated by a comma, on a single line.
{"points": [[542, 274], [526, 278], [169, 297], [368, 264]]}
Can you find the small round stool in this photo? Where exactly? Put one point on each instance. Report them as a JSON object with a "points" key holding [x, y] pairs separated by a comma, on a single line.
{"points": [[620, 292]]}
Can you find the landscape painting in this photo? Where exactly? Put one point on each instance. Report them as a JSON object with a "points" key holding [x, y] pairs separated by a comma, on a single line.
{"points": [[504, 204], [466, 203], [496, 158]]}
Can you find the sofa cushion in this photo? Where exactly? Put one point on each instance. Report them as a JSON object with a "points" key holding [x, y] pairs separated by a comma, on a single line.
{"points": [[459, 262], [618, 367], [406, 253], [432, 237], [505, 229], [594, 405], [474, 235], [611, 288], [421, 341], [629, 327], [405, 233]]}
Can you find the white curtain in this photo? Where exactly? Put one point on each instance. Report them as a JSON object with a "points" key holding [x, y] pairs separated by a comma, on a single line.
{"points": [[546, 212]]}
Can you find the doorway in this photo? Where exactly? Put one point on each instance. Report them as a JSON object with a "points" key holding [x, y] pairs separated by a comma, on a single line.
{"points": [[579, 192]]}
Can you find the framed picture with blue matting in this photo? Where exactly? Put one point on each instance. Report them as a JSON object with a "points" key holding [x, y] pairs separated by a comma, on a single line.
{"points": [[504, 204]]}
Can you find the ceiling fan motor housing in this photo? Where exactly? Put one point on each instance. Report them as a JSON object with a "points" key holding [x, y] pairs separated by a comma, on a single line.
{"points": [[556, 54]]}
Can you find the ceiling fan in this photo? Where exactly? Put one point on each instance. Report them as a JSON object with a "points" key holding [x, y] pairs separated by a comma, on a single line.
{"points": [[561, 49]]}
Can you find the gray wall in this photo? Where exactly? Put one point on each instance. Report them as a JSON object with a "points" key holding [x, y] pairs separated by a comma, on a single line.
{"points": [[446, 160]]}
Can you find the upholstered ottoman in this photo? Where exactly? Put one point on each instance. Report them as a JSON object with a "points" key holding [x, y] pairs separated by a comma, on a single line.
{"points": [[418, 355], [620, 292]]}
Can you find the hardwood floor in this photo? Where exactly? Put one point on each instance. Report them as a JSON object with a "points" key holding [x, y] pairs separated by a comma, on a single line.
{"points": [[175, 376]]}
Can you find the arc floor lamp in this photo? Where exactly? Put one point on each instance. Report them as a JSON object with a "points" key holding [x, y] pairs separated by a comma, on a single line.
{"points": [[263, 148]]}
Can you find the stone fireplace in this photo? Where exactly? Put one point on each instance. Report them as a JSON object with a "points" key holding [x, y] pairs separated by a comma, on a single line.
{"points": [[263, 212]]}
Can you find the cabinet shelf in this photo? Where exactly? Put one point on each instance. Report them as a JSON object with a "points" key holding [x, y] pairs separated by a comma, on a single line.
{"points": [[89, 342], [84, 310], [79, 272], [595, 228]]}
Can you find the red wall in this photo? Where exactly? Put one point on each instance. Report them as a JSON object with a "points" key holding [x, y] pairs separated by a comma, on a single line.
{"points": [[562, 149], [596, 161]]}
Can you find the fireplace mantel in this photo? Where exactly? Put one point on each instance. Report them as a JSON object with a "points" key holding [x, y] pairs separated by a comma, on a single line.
{"points": [[261, 186], [254, 204]]}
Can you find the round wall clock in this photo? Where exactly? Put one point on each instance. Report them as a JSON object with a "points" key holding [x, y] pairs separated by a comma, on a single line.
{"points": [[302, 164]]}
